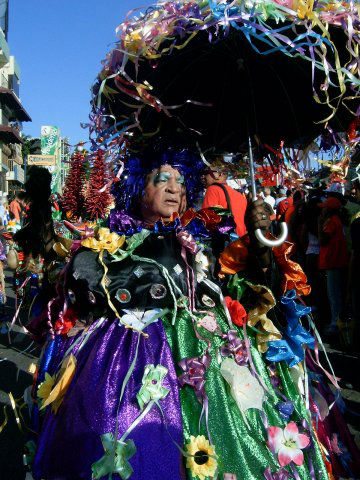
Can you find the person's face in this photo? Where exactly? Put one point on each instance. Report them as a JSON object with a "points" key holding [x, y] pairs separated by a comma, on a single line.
{"points": [[213, 176], [164, 194]]}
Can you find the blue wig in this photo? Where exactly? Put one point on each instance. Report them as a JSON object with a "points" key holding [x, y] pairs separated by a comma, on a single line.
{"points": [[129, 191]]}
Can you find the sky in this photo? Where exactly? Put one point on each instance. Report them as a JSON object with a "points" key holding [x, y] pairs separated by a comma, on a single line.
{"points": [[59, 45]]}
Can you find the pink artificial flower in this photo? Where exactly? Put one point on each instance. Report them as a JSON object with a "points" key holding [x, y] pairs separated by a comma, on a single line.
{"points": [[287, 443], [285, 3]]}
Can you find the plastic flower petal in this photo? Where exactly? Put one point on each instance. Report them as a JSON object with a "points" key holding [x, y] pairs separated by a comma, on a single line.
{"points": [[275, 438], [45, 388], [288, 443], [244, 387], [104, 241], [115, 459], [152, 388], [237, 311], [201, 460], [63, 380]]}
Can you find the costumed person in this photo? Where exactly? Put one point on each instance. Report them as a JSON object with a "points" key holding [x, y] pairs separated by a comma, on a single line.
{"points": [[31, 253], [150, 370], [145, 348]]}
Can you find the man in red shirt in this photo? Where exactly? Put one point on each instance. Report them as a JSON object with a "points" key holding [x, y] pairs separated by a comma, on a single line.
{"points": [[333, 257], [219, 194], [15, 208], [284, 205]]}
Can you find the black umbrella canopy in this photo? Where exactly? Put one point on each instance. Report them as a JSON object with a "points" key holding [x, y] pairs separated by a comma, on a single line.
{"points": [[218, 89]]}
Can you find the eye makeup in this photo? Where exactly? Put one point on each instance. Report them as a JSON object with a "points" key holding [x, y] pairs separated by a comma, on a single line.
{"points": [[164, 177]]}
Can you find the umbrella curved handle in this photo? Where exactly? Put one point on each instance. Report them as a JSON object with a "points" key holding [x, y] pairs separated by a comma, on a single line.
{"points": [[273, 243]]}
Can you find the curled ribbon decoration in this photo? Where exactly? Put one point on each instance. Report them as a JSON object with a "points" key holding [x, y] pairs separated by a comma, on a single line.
{"points": [[233, 259], [290, 348], [80, 231], [236, 347], [104, 241], [292, 273], [266, 302], [281, 474], [207, 216], [188, 241], [194, 374], [115, 459], [152, 389], [63, 247]]}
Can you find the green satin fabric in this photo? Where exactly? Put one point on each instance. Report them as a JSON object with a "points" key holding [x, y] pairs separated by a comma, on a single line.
{"points": [[240, 451]]}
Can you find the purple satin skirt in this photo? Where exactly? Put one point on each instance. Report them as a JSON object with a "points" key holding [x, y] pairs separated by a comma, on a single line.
{"points": [[69, 442]]}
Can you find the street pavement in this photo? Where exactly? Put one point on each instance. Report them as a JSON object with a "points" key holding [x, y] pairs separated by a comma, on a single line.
{"points": [[18, 353]]}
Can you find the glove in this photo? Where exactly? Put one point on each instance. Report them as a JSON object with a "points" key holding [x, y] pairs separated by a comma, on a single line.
{"points": [[258, 215]]}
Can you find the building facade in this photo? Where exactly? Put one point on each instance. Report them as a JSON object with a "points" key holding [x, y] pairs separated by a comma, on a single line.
{"points": [[12, 114]]}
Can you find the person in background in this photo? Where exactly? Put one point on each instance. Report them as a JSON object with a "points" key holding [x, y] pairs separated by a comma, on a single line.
{"points": [[218, 193], [281, 195], [268, 198], [295, 219], [284, 205], [15, 208], [316, 277], [333, 257], [23, 206], [3, 213]]}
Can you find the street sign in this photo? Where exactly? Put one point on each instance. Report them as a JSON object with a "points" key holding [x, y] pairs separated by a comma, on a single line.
{"points": [[42, 160]]}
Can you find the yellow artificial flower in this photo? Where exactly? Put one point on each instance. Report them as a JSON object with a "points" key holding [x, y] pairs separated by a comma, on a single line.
{"points": [[63, 380], [202, 461], [44, 389], [104, 241], [305, 8]]}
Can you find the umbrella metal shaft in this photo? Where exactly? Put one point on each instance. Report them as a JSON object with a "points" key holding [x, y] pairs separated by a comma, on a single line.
{"points": [[252, 172]]}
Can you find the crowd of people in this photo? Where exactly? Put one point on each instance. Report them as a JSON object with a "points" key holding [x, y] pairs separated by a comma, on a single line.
{"points": [[323, 224]]}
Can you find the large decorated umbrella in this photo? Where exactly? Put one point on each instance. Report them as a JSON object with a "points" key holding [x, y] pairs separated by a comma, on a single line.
{"points": [[215, 71], [218, 72]]}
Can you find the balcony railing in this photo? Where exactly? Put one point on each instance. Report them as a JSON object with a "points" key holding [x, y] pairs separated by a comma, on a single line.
{"points": [[4, 81], [4, 50]]}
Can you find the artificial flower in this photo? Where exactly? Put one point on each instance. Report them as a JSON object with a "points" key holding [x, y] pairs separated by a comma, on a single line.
{"points": [[202, 461], [194, 374], [65, 322], [287, 443], [63, 380], [305, 8], [152, 389], [237, 311], [285, 3], [104, 241], [139, 319], [45, 388], [116, 458], [244, 387]]}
